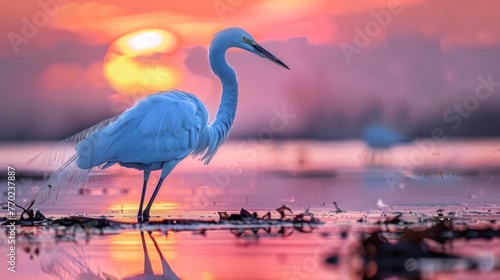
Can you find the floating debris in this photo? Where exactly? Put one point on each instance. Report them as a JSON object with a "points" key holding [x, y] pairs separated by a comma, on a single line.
{"points": [[282, 210], [382, 205], [238, 224], [411, 255], [337, 208]]}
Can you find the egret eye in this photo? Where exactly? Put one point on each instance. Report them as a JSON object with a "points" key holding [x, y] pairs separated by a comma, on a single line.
{"points": [[244, 38]]}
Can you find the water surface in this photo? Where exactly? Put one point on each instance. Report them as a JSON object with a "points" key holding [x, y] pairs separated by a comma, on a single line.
{"points": [[416, 180]]}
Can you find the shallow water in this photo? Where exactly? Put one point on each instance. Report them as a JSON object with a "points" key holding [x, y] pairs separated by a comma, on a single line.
{"points": [[416, 180]]}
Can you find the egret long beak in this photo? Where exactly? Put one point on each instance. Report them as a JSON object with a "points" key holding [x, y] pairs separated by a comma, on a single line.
{"points": [[265, 54]]}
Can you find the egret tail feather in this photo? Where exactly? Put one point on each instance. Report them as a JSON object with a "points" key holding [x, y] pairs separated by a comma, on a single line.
{"points": [[69, 177], [52, 158], [58, 165]]}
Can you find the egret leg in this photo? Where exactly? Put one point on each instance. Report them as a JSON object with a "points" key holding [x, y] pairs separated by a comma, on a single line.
{"points": [[150, 203], [144, 186], [167, 167]]}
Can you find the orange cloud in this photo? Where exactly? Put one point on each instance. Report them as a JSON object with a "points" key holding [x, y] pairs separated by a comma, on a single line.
{"points": [[97, 22], [456, 23]]}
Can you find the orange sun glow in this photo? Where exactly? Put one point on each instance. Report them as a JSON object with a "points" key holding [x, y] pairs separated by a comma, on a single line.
{"points": [[135, 63]]}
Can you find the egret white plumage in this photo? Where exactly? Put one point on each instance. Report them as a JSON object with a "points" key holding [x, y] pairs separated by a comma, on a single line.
{"points": [[160, 130]]}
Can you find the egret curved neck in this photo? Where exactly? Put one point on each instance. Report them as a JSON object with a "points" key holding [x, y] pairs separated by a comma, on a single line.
{"points": [[227, 108]]}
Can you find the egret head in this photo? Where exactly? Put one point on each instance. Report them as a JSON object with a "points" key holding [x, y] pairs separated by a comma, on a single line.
{"points": [[239, 38]]}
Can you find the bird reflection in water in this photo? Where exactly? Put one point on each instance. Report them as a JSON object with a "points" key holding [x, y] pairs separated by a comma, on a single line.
{"points": [[62, 264], [167, 274]]}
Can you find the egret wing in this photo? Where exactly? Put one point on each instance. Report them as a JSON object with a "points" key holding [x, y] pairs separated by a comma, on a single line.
{"points": [[160, 128]]}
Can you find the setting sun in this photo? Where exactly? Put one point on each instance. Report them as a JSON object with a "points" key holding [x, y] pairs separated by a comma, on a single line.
{"points": [[136, 63], [147, 42]]}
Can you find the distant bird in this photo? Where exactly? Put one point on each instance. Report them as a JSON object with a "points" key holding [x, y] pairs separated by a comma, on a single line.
{"points": [[159, 131], [380, 138]]}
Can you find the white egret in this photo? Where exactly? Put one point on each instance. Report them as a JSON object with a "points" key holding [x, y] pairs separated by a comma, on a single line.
{"points": [[380, 138], [160, 130]]}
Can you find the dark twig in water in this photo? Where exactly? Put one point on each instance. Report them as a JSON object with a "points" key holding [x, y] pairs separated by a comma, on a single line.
{"points": [[337, 208], [31, 216], [282, 210], [411, 255]]}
